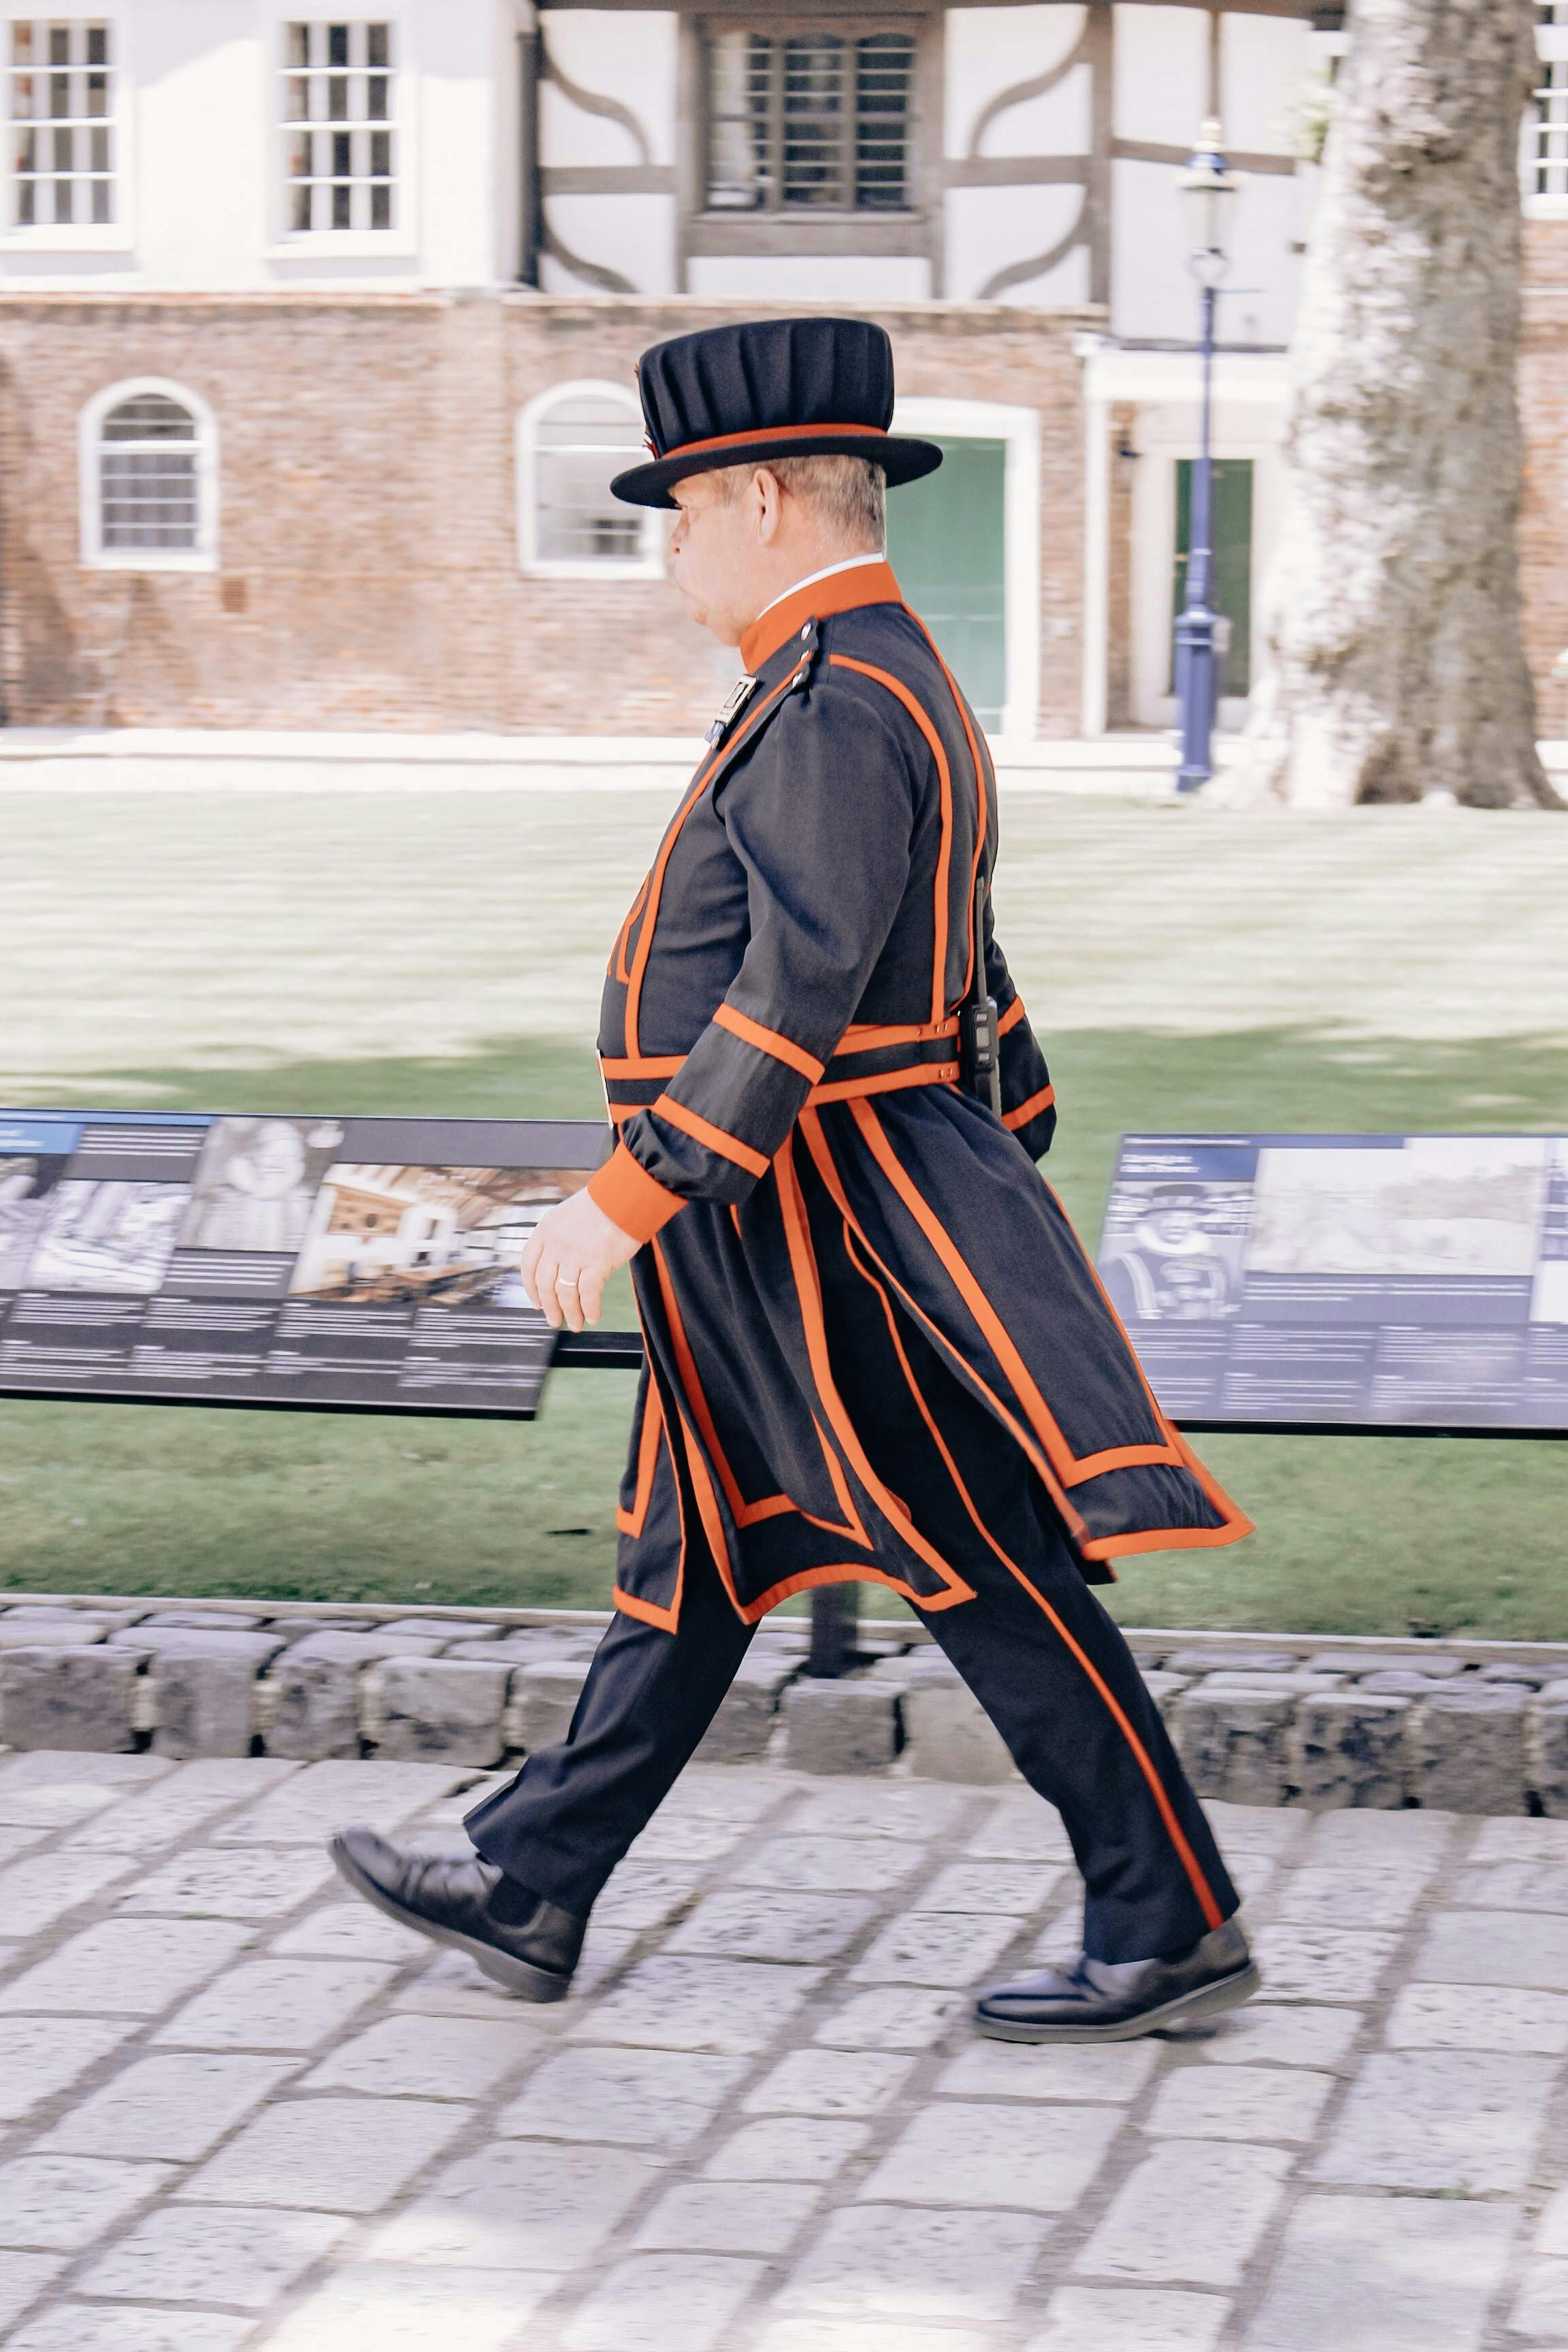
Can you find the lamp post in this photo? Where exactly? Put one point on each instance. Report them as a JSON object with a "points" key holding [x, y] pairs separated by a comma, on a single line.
{"points": [[1208, 188]]}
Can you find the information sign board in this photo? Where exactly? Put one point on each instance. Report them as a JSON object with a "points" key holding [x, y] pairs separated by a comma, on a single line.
{"points": [[1382, 1281], [365, 1264]]}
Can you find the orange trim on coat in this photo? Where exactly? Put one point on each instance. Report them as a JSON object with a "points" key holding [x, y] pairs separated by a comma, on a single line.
{"points": [[1010, 1018], [866, 1037], [714, 1139], [630, 1523], [768, 1041], [1030, 1109], [617, 967], [648, 1612], [925, 1074], [982, 799], [819, 600], [897, 687], [631, 1198], [640, 1065]]}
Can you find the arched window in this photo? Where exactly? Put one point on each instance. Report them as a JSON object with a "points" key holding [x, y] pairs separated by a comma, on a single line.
{"points": [[148, 480], [571, 441]]}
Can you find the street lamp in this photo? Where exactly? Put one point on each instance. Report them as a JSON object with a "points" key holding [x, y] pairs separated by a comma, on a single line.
{"points": [[1208, 188]]}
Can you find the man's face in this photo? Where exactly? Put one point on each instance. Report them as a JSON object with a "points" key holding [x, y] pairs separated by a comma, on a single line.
{"points": [[713, 553], [1174, 1225]]}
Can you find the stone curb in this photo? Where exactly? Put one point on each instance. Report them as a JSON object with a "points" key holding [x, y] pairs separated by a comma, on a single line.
{"points": [[1476, 1728]]}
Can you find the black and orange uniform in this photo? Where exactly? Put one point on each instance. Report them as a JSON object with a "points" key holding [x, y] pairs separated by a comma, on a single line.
{"points": [[876, 1349]]}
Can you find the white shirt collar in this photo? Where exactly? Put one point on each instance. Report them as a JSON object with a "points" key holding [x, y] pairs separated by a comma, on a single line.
{"points": [[826, 572]]}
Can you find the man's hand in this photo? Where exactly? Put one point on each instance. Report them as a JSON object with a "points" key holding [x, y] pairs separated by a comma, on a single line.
{"points": [[575, 1250]]}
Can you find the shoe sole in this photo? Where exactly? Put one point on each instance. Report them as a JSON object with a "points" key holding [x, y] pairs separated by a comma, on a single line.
{"points": [[1204, 2001], [518, 1977]]}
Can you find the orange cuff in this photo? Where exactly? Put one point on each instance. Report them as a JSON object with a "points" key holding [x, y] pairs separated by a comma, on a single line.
{"points": [[631, 1198]]}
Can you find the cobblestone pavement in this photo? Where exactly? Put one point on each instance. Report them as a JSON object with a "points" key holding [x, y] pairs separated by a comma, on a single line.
{"points": [[239, 2109]]}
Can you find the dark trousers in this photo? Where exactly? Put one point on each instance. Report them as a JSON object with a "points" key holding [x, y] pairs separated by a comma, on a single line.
{"points": [[1043, 1659]]}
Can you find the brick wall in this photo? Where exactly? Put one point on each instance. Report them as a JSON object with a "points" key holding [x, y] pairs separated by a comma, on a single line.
{"points": [[1122, 426], [369, 573]]}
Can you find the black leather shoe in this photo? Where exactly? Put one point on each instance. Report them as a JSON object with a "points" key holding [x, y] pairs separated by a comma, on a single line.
{"points": [[1116, 2001], [519, 1940]]}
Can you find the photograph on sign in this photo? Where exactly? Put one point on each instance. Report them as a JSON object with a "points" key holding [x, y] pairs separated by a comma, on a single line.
{"points": [[400, 1234], [1443, 1204], [1172, 1251], [28, 1181], [107, 1234]]}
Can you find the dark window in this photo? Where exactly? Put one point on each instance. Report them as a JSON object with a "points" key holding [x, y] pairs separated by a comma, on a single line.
{"points": [[813, 120]]}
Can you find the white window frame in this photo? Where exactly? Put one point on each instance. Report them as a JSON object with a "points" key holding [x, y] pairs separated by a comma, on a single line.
{"points": [[79, 236], [1551, 47], [648, 563], [986, 420], [95, 556], [317, 245]]}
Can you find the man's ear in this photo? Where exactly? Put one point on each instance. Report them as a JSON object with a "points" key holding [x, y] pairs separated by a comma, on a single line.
{"points": [[768, 491]]}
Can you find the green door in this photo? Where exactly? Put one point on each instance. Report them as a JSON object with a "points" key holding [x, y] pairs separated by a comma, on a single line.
{"points": [[946, 542], [1232, 586]]}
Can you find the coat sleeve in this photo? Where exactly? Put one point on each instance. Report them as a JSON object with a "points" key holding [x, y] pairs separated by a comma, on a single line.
{"points": [[820, 817], [1028, 1097]]}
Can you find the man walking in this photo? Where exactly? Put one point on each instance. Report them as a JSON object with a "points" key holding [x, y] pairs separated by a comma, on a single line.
{"points": [[876, 1350]]}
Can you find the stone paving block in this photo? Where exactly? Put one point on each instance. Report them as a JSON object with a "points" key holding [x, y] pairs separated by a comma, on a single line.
{"points": [[429, 2057], [42, 2056], [1551, 2230], [1413, 1843], [1512, 1886], [327, 1796], [728, 2216], [1247, 1830], [1040, 2158], [675, 2003], [221, 1883], [82, 1699], [644, 1894], [949, 1948], [1261, 2034], [14, 1843], [277, 2005], [131, 1968], [1470, 1750], [914, 1810], [195, 2254], [183, 1799], [840, 1726], [174, 2108], [897, 2017], [759, 1924], [1346, 2279], [924, 2264], [374, 2307], [1131, 2319], [1235, 1745], [788, 2147], [810, 1864], [1507, 1948], [452, 1986], [1541, 2308], [543, 1702], [1450, 2017], [1239, 2103], [90, 1778], [314, 1691], [341, 2155], [1021, 1827], [411, 1708], [1193, 2212], [1062, 2072], [22, 2278], [687, 1837], [438, 1629], [62, 2203], [47, 1887], [816, 2334], [748, 1716], [949, 1736], [1018, 1888], [519, 2206], [1441, 2120], [1347, 1896], [663, 2303], [1350, 1750], [829, 2083], [25, 1630], [1236, 1662], [1519, 1838], [1547, 1749], [1301, 1963], [348, 1931], [636, 2098], [95, 2328], [202, 1690]]}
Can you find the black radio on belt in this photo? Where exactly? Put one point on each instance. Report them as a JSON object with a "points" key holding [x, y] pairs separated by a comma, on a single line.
{"points": [[978, 1045]]}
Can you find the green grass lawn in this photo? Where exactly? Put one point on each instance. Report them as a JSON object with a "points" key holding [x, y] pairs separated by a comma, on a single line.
{"points": [[358, 955]]}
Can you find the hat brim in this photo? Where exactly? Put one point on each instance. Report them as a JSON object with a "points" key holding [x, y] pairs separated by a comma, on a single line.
{"points": [[901, 459]]}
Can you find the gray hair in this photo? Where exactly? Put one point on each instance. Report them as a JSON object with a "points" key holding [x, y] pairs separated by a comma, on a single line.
{"points": [[849, 492]]}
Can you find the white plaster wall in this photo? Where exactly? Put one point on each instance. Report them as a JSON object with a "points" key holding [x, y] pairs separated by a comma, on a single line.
{"points": [[1152, 293], [628, 56], [1162, 73], [1264, 62], [988, 228], [988, 51], [204, 143], [633, 234], [1264, 270], [459, 157], [828, 277]]}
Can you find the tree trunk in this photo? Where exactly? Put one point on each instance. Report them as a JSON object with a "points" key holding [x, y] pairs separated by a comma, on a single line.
{"points": [[1396, 665]]}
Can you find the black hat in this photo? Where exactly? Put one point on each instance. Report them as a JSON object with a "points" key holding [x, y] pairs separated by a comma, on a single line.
{"points": [[771, 388]]}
